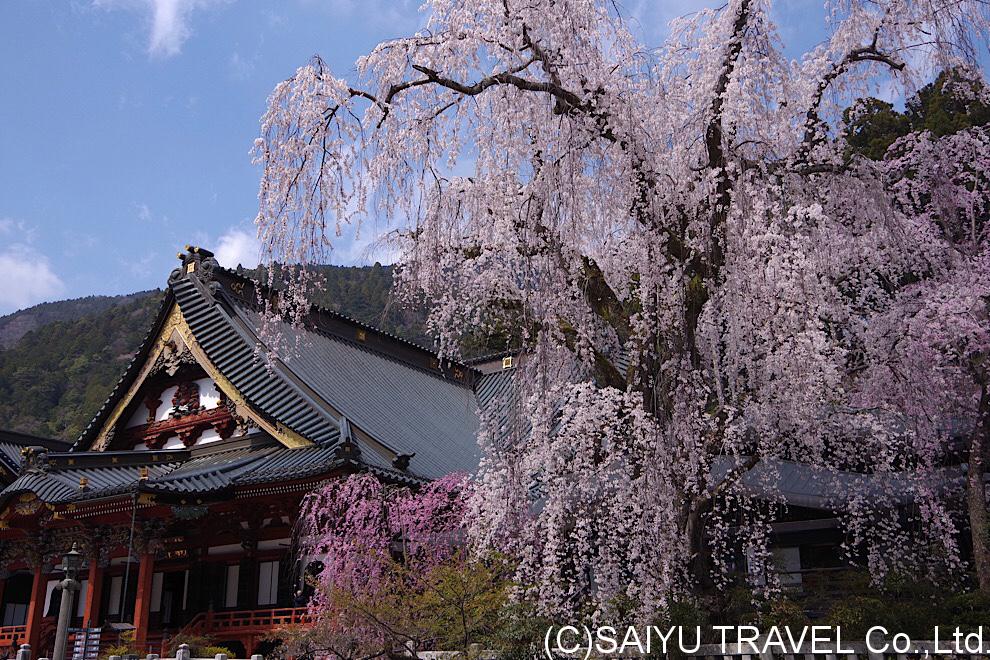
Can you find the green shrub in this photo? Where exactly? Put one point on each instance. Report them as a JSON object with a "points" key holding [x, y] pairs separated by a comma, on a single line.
{"points": [[199, 646], [519, 635], [856, 615], [687, 614], [968, 611], [782, 612], [124, 646]]}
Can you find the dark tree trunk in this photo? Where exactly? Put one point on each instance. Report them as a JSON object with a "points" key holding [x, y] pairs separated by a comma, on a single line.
{"points": [[694, 532], [976, 500]]}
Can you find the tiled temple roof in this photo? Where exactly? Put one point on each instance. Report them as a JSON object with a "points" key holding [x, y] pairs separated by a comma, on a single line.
{"points": [[213, 471], [13, 443], [61, 485], [395, 395], [364, 399], [404, 407]]}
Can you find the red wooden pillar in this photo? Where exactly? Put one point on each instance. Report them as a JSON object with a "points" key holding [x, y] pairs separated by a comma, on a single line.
{"points": [[94, 594], [142, 602], [35, 611]]}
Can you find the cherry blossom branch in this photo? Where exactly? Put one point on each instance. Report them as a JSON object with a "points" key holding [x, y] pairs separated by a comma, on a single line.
{"points": [[870, 53]]}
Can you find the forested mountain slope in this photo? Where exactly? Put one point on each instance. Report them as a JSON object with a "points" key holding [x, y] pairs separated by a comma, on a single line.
{"points": [[16, 325]]}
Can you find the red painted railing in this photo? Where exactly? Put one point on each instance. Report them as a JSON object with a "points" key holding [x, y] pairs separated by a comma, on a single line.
{"points": [[252, 620], [11, 634], [235, 623]]}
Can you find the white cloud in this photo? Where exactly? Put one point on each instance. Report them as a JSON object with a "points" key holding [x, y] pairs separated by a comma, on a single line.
{"points": [[237, 246], [19, 229], [168, 27], [142, 267], [168, 20], [27, 278]]}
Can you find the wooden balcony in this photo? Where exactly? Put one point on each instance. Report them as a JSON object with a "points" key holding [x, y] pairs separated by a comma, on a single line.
{"points": [[242, 625], [215, 624], [9, 635]]}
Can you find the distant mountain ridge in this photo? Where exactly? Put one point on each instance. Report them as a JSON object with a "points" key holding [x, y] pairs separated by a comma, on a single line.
{"points": [[59, 360], [17, 324]]}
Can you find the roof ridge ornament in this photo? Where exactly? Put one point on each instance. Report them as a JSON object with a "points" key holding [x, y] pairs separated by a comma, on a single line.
{"points": [[34, 459], [173, 357], [401, 461], [347, 448], [196, 260]]}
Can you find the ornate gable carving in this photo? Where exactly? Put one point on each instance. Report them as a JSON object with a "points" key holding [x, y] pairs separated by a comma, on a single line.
{"points": [[173, 357], [185, 401], [175, 360], [187, 418], [34, 459]]}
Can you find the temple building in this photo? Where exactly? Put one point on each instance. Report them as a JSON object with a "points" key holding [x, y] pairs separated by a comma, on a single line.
{"points": [[183, 491]]}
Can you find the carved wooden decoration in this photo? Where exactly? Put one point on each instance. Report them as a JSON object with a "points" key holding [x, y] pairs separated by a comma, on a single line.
{"points": [[186, 399]]}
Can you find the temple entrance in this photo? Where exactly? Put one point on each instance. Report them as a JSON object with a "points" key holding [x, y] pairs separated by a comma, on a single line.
{"points": [[16, 596], [173, 597]]}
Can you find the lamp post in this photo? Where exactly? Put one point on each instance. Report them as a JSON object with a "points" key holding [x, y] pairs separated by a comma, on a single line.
{"points": [[71, 562]]}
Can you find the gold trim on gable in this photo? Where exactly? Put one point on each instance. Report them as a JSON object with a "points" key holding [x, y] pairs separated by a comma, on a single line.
{"points": [[176, 324], [285, 435], [172, 321]]}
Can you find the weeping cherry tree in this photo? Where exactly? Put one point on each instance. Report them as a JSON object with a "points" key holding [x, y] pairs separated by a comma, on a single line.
{"points": [[683, 251]]}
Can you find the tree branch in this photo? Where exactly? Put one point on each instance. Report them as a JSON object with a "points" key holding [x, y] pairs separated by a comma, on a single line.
{"points": [[870, 53]]}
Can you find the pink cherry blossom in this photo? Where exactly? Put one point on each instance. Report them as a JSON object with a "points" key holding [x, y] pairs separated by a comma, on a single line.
{"points": [[702, 283]]}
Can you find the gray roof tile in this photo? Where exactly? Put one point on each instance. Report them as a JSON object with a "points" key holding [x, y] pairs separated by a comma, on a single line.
{"points": [[405, 408]]}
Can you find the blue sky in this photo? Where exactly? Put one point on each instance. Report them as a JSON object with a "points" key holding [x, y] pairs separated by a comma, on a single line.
{"points": [[127, 125]]}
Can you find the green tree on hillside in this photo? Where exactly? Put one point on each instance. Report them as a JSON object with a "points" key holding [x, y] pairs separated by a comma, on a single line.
{"points": [[945, 106]]}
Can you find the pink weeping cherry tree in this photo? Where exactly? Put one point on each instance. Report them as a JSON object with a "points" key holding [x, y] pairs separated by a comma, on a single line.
{"points": [[703, 283], [926, 350], [387, 552]]}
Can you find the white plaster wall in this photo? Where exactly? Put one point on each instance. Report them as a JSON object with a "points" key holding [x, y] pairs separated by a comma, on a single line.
{"points": [[173, 443], [208, 395], [207, 436], [166, 404]]}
